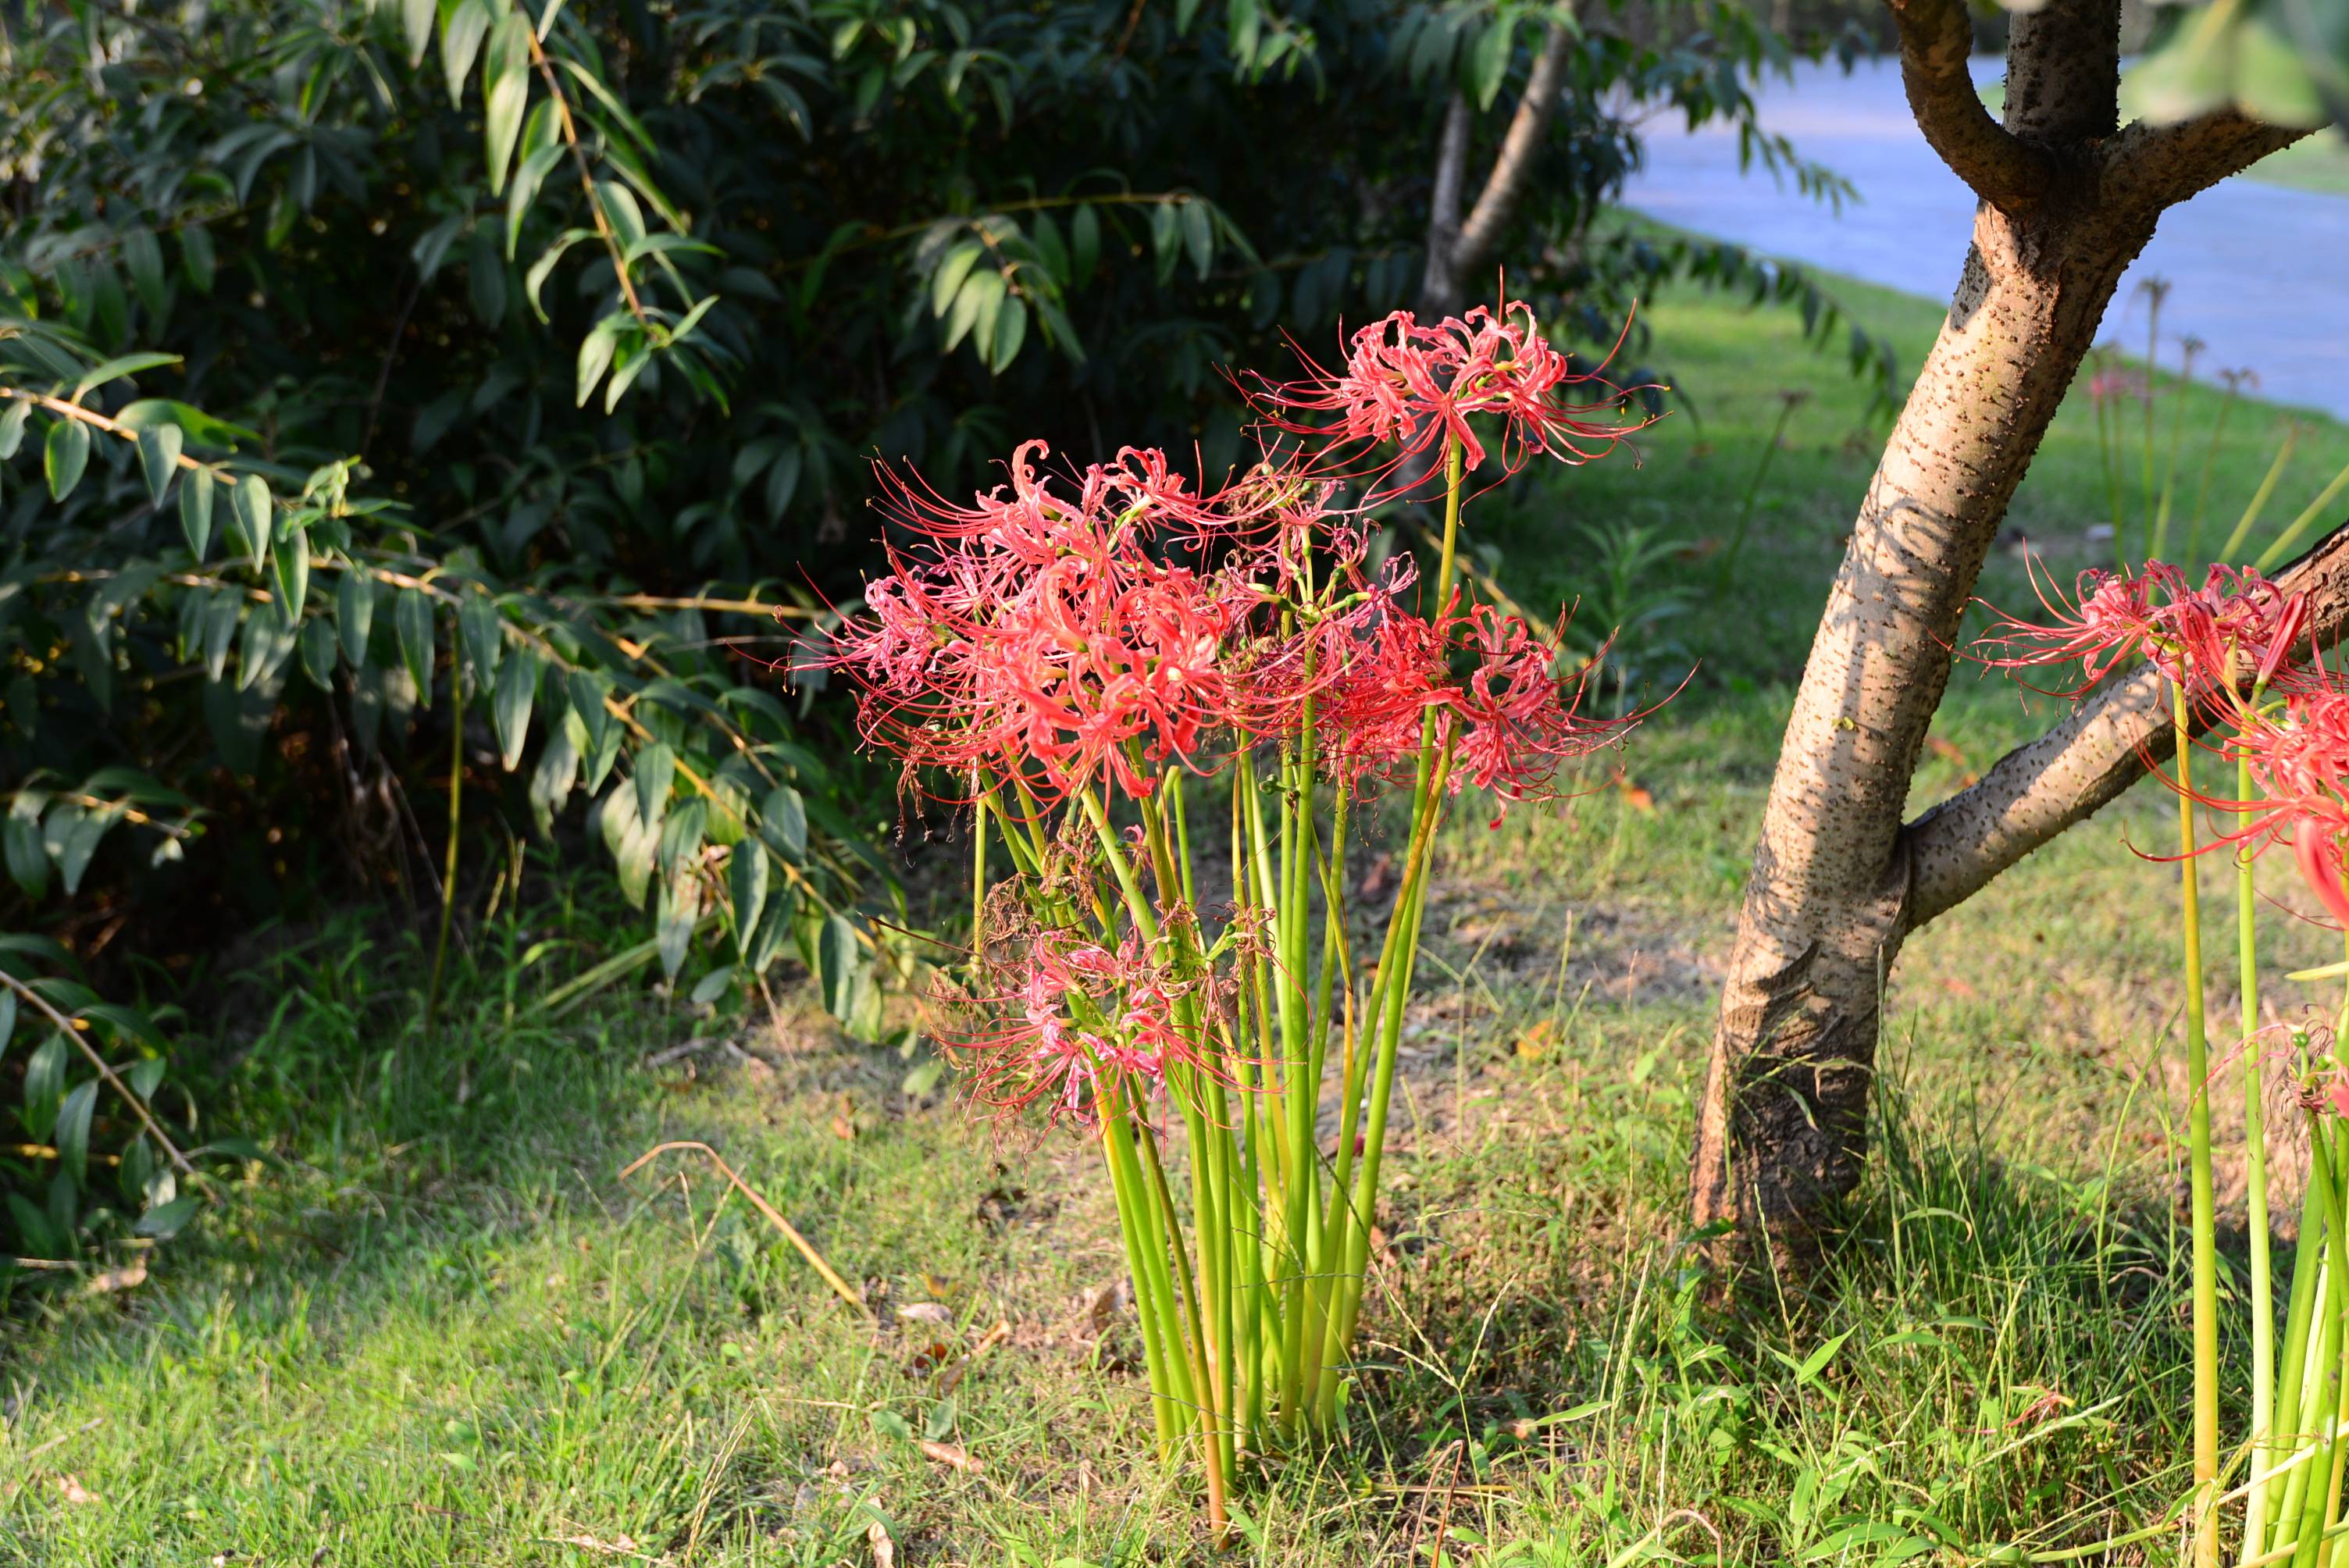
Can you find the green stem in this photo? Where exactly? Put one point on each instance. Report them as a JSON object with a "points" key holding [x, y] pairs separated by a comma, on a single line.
{"points": [[2198, 1074], [1164, 1412], [2202, 489], [2255, 1175], [978, 876], [1728, 571], [456, 809], [2169, 461]]}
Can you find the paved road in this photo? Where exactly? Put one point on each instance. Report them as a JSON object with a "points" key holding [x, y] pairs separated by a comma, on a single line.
{"points": [[2256, 272]]}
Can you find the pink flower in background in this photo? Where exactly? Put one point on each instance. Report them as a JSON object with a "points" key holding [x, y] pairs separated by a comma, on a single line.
{"points": [[2117, 386]]}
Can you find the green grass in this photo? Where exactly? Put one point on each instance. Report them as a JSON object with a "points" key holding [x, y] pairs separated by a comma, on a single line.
{"points": [[443, 1329]]}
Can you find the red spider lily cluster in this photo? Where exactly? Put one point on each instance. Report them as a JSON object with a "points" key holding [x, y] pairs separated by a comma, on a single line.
{"points": [[2236, 645], [1068, 640], [1060, 638], [2237, 630]]}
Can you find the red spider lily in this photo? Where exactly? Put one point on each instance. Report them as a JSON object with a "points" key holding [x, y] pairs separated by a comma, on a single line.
{"points": [[2108, 618], [2300, 762], [1033, 634], [1419, 386], [2237, 628], [1078, 1018], [1518, 721]]}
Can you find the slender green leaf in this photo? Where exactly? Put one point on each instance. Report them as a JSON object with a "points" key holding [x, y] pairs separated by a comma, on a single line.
{"points": [[948, 279], [159, 455], [65, 456], [484, 633], [355, 613], [517, 690], [505, 93], [411, 618], [248, 508], [841, 967], [656, 775], [196, 513], [28, 862], [747, 873], [1010, 331], [167, 1220], [463, 25], [595, 352], [116, 369], [1198, 234], [318, 649], [72, 1131], [783, 823], [291, 566]]}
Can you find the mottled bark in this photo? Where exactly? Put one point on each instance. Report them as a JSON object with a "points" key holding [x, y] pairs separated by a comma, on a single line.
{"points": [[2066, 205]]}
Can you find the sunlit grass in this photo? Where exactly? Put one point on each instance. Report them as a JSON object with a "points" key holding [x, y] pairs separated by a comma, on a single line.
{"points": [[444, 1330]]}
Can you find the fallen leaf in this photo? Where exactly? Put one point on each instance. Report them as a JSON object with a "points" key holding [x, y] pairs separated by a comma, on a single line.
{"points": [[951, 1378], [1536, 1040], [953, 1458], [1102, 1306], [1375, 878], [75, 1492], [1946, 750], [924, 1312], [884, 1551], [1958, 987], [129, 1275], [843, 1129], [1638, 797]]}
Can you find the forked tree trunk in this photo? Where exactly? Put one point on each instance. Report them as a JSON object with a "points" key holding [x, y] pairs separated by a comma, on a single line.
{"points": [[2068, 199]]}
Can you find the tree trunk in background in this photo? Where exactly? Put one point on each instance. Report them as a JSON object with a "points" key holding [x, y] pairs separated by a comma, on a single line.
{"points": [[2067, 202]]}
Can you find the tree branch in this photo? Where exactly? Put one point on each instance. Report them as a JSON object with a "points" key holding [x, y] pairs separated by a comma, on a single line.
{"points": [[1513, 166], [1439, 285], [1936, 37], [2158, 166], [2040, 788]]}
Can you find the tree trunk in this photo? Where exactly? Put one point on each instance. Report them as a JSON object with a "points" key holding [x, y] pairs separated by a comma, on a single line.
{"points": [[2067, 203]]}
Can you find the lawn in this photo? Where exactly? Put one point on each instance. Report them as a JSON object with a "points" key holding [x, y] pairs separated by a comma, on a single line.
{"points": [[440, 1326]]}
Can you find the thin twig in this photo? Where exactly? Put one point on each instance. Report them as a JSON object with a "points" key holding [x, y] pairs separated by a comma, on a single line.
{"points": [[66, 1026], [390, 353], [456, 821], [840, 1287], [570, 130]]}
